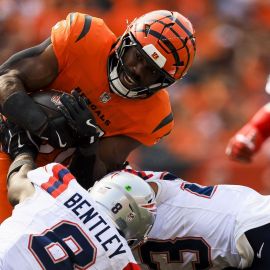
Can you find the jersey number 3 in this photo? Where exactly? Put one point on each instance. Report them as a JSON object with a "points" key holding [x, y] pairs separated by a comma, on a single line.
{"points": [[175, 252], [64, 246]]}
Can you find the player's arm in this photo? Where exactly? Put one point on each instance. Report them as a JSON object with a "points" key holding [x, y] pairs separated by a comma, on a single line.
{"points": [[22, 149], [94, 157], [18, 185], [113, 152], [248, 140], [27, 71], [109, 154]]}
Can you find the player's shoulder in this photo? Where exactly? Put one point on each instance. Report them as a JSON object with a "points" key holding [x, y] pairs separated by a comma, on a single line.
{"points": [[84, 21], [160, 105], [165, 184], [166, 191], [78, 25], [162, 179], [160, 115], [162, 99]]}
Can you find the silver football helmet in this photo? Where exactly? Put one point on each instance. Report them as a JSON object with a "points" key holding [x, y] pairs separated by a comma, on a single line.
{"points": [[129, 201]]}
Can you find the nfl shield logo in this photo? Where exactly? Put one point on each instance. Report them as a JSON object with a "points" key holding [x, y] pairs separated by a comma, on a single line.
{"points": [[105, 97]]}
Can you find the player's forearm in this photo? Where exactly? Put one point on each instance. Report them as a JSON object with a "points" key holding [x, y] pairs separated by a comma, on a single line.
{"points": [[82, 168], [27, 71], [261, 121], [22, 110], [248, 140], [20, 166], [19, 187], [87, 169], [9, 83], [18, 107]]}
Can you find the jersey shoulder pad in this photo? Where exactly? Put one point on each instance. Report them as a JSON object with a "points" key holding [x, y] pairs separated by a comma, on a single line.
{"points": [[80, 34], [74, 28]]}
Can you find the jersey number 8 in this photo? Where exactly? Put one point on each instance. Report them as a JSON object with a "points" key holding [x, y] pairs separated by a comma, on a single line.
{"points": [[64, 246]]}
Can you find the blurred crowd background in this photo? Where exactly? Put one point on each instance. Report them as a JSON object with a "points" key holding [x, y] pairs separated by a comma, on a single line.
{"points": [[224, 88]]}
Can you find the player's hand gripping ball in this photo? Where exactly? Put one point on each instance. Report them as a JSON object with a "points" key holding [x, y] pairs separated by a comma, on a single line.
{"points": [[58, 132]]}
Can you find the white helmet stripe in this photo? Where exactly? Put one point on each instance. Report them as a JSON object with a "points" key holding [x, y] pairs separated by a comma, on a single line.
{"points": [[155, 55]]}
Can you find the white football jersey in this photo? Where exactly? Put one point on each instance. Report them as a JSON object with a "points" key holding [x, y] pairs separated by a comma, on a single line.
{"points": [[61, 227], [200, 227]]}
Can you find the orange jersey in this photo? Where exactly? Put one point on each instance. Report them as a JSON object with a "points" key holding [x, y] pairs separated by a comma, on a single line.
{"points": [[82, 45]]}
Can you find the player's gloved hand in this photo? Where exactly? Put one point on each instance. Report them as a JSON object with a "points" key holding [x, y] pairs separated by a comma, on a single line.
{"points": [[15, 140], [59, 134], [244, 144], [80, 119], [78, 115]]}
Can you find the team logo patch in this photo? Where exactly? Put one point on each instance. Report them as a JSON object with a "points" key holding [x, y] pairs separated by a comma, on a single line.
{"points": [[130, 216], [56, 100], [155, 55]]}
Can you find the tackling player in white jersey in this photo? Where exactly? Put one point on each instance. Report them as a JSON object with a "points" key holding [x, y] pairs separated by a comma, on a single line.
{"points": [[196, 227], [205, 227], [56, 224]]}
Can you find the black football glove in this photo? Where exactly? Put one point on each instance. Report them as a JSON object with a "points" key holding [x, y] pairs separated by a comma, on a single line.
{"points": [[16, 141], [59, 134], [80, 119]]}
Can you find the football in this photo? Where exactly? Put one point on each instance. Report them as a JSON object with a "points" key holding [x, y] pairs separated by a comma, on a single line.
{"points": [[49, 100]]}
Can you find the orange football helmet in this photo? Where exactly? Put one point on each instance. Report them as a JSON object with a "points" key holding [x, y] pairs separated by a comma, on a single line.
{"points": [[166, 40]]}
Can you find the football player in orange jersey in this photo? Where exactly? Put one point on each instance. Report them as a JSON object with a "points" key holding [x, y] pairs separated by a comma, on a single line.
{"points": [[124, 80]]}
